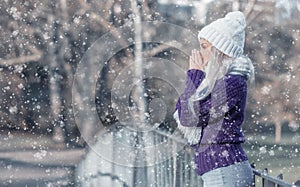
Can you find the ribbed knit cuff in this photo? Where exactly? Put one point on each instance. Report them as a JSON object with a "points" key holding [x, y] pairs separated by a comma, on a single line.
{"points": [[218, 155]]}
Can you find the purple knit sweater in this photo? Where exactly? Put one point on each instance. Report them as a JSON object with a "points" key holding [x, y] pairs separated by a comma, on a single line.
{"points": [[220, 115]]}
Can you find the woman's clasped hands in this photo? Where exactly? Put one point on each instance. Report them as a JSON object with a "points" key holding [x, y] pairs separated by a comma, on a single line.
{"points": [[196, 61]]}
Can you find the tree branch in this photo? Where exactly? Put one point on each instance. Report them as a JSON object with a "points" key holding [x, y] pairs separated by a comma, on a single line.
{"points": [[249, 8], [36, 56]]}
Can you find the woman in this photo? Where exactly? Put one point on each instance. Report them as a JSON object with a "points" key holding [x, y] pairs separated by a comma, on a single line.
{"points": [[211, 109]]}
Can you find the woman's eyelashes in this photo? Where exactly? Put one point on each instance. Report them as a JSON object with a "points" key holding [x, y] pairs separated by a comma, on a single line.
{"points": [[204, 46]]}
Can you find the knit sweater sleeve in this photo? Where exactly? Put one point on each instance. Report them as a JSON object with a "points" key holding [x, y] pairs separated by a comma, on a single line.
{"points": [[224, 97], [194, 78]]}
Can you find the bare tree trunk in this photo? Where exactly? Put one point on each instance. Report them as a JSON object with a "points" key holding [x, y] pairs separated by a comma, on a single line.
{"points": [[138, 63], [139, 173], [249, 8], [66, 69], [55, 78], [277, 131]]}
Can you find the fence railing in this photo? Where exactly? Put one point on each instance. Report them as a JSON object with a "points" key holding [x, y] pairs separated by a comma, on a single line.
{"points": [[176, 171], [270, 181], [173, 171]]}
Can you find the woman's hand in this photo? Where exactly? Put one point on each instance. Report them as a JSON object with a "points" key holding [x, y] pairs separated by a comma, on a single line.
{"points": [[196, 61]]}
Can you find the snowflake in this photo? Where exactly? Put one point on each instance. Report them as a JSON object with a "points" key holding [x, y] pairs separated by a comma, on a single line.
{"points": [[225, 153]]}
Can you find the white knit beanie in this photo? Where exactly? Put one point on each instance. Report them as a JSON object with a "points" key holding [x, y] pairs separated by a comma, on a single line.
{"points": [[226, 34]]}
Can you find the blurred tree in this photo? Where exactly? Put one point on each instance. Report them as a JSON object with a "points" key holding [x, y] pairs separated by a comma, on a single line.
{"points": [[52, 37], [55, 35], [274, 50]]}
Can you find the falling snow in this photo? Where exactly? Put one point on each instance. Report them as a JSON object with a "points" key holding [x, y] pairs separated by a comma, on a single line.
{"points": [[88, 90]]}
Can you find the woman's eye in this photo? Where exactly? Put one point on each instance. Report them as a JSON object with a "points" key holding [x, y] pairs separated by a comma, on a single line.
{"points": [[204, 46]]}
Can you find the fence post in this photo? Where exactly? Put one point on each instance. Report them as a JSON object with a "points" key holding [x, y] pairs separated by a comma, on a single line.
{"points": [[253, 183], [266, 182], [297, 183], [280, 176]]}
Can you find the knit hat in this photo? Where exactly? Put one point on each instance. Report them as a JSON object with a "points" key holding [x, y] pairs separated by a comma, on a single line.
{"points": [[226, 34]]}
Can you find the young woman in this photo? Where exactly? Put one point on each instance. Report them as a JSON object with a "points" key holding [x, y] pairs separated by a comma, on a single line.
{"points": [[211, 110]]}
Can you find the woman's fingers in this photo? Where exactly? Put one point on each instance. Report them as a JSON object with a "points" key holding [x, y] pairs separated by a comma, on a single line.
{"points": [[192, 61], [196, 60], [198, 57], [193, 55], [202, 60]]}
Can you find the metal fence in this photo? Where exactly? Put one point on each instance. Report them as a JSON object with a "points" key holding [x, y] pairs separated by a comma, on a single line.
{"points": [[267, 180], [177, 171], [174, 171]]}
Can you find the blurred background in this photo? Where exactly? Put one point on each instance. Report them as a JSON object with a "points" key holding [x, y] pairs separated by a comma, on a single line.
{"points": [[43, 42]]}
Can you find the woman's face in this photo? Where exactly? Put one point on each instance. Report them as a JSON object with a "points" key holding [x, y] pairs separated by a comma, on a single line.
{"points": [[205, 49]]}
